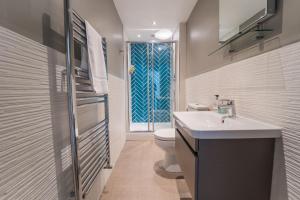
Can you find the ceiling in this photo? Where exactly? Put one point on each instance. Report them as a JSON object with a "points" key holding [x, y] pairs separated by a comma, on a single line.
{"points": [[138, 16]]}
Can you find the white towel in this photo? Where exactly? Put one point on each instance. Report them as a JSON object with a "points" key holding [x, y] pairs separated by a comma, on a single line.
{"points": [[98, 74]]}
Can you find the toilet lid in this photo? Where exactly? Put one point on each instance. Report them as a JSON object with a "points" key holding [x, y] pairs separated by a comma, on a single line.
{"points": [[165, 134]]}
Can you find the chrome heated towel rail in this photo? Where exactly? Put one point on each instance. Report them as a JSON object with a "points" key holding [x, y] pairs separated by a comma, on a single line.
{"points": [[90, 148]]}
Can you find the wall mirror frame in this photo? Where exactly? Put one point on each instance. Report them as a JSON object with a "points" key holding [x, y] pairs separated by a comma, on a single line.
{"points": [[239, 17]]}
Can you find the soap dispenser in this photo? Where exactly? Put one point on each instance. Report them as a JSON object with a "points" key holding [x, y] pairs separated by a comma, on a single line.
{"points": [[216, 103]]}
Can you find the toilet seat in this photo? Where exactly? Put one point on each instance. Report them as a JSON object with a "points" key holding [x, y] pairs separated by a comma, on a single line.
{"points": [[165, 134]]}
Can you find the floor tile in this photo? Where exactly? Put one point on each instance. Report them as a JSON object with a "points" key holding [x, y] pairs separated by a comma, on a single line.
{"points": [[134, 177]]}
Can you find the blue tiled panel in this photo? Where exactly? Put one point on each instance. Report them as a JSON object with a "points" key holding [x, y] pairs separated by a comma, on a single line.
{"points": [[162, 82], [159, 77], [139, 90]]}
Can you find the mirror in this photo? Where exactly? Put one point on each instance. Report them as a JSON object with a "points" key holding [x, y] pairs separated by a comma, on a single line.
{"points": [[238, 16]]}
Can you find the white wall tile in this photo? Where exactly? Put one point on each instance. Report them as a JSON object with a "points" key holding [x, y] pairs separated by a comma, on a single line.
{"points": [[27, 149], [267, 88]]}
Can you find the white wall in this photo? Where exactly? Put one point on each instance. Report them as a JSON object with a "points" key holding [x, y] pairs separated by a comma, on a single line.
{"points": [[180, 37], [267, 88]]}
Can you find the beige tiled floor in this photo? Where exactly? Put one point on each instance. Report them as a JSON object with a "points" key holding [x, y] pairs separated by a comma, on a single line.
{"points": [[134, 178]]}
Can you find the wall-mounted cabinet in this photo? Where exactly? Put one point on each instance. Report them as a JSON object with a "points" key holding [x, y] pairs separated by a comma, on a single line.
{"points": [[238, 16], [227, 169], [242, 18]]}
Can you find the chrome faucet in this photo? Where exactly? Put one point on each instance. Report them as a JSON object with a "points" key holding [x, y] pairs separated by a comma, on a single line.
{"points": [[227, 106]]}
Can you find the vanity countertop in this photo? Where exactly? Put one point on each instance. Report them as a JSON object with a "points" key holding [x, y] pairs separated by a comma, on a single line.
{"points": [[209, 125]]}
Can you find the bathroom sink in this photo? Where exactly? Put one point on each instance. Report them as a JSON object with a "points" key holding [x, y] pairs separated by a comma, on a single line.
{"points": [[210, 125]]}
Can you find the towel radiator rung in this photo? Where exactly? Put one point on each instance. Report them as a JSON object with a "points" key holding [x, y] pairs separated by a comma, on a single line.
{"points": [[84, 88], [88, 173], [90, 94], [85, 148], [79, 39], [80, 32], [91, 156], [88, 185], [89, 132], [81, 80]]}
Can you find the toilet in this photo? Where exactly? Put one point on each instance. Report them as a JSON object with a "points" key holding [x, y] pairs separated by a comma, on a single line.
{"points": [[165, 139]]}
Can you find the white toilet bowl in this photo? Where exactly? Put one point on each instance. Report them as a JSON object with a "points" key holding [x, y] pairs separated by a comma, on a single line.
{"points": [[165, 139]]}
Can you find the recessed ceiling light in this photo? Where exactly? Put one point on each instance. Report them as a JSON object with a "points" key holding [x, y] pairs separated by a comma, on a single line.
{"points": [[139, 36], [163, 34], [154, 23]]}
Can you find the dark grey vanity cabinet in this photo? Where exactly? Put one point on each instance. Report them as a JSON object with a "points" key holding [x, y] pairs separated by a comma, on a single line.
{"points": [[226, 169]]}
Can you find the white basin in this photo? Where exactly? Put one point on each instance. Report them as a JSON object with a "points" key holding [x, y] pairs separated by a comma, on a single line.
{"points": [[209, 125]]}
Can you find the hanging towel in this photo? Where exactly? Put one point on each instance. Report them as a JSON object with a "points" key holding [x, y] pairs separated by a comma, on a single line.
{"points": [[98, 74]]}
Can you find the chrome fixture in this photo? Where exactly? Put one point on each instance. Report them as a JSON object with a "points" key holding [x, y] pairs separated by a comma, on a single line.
{"points": [[227, 107], [90, 148]]}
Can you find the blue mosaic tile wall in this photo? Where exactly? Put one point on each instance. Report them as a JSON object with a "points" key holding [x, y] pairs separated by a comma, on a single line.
{"points": [[151, 82]]}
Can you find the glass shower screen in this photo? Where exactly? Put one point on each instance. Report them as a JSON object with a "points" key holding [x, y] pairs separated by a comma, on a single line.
{"points": [[151, 91]]}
